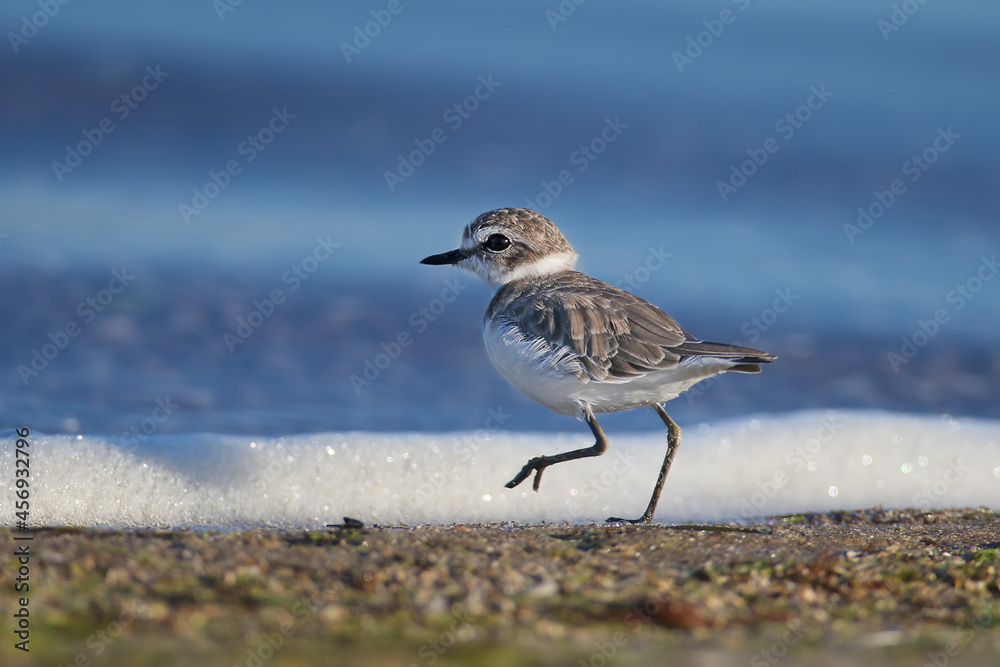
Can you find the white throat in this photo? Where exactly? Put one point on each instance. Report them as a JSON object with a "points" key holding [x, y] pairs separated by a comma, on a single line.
{"points": [[560, 261]]}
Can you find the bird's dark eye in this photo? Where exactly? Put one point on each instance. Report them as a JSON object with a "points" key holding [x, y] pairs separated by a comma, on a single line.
{"points": [[497, 243]]}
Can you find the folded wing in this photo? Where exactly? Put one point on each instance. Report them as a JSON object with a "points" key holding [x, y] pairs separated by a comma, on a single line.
{"points": [[615, 335]]}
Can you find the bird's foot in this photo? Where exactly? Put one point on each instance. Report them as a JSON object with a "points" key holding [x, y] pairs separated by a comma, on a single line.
{"points": [[536, 465]]}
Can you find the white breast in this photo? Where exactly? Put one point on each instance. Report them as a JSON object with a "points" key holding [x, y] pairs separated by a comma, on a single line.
{"points": [[541, 371]]}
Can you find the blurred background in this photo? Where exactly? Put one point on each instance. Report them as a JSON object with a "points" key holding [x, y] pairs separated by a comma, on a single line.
{"points": [[211, 214]]}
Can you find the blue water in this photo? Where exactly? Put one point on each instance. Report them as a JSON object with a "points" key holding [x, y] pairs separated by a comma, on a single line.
{"points": [[652, 191]]}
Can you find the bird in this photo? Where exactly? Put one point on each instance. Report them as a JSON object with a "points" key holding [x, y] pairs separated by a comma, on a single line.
{"points": [[577, 345]]}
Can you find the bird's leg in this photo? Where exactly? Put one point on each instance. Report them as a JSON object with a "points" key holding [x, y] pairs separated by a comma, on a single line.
{"points": [[540, 463], [673, 442]]}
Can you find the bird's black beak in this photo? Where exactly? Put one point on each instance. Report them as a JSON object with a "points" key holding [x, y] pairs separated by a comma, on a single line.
{"points": [[451, 257]]}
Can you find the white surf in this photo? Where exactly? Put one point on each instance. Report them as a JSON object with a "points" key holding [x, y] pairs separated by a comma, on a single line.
{"points": [[736, 469]]}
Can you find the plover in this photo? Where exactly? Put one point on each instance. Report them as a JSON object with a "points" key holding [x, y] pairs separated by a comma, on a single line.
{"points": [[575, 344]]}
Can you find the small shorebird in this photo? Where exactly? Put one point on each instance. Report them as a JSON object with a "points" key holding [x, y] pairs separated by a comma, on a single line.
{"points": [[578, 345]]}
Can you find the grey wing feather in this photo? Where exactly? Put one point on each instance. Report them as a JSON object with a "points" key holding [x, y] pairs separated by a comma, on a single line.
{"points": [[615, 335]]}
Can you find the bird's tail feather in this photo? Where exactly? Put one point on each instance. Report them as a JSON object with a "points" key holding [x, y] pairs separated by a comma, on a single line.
{"points": [[745, 359]]}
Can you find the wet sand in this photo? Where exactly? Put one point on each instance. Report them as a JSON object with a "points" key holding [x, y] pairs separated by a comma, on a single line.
{"points": [[878, 586]]}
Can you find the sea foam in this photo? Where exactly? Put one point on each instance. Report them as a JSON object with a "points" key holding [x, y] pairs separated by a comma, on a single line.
{"points": [[736, 469]]}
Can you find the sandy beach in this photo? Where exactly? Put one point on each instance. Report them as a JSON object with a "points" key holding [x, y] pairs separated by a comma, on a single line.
{"points": [[880, 586]]}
